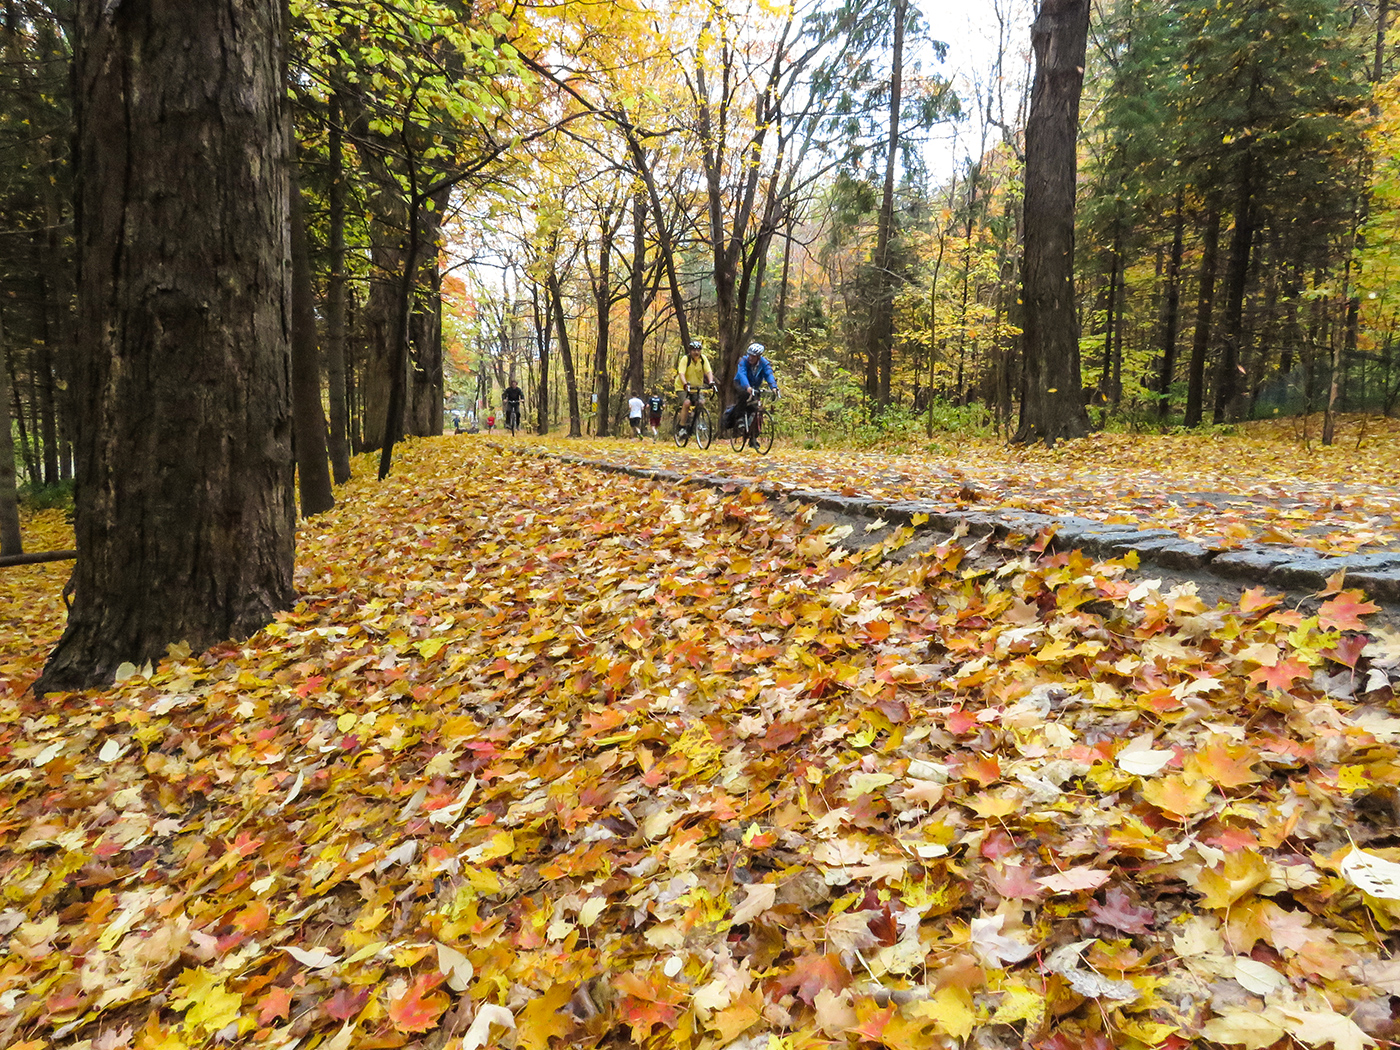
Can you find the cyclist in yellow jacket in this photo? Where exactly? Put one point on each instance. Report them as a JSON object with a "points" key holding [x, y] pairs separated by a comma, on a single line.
{"points": [[692, 375]]}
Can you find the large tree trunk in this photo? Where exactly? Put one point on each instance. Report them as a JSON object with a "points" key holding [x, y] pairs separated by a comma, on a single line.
{"points": [[335, 304], [184, 506], [882, 321], [309, 422], [1205, 304], [1052, 402]]}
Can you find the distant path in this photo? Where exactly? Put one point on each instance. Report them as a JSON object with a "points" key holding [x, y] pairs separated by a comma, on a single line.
{"points": [[1292, 534]]}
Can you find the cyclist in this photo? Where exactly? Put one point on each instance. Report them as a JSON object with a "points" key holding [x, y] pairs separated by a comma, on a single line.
{"points": [[753, 371], [692, 373], [510, 400]]}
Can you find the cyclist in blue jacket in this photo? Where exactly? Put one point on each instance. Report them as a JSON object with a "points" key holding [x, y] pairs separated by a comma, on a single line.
{"points": [[753, 371]]}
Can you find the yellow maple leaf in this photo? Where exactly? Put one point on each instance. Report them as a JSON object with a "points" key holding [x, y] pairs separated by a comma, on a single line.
{"points": [[544, 1017], [950, 1010]]}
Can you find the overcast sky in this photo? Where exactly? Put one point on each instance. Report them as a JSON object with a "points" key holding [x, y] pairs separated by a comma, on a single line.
{"points": [[970, 29]]}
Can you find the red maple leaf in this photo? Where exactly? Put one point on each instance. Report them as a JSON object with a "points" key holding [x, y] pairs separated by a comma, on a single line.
{"points": [[1119, 912], [1015, 882], [780, 734], [1348, 650], [814, 973], [346, 1003], [1343, 612]]}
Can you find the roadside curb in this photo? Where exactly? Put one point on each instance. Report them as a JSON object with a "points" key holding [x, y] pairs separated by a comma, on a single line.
{"points": [[1287, 568]]}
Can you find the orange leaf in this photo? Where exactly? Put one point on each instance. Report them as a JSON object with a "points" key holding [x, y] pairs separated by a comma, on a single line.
{"points": [[1224, 764], [252, 919], [1282, 675], [416, 1010], [1343, 612], [276, 1003]]}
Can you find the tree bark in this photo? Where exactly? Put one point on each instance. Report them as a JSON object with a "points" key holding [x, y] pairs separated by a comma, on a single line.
{"points": [[636, 331], [882, 322], [335, 303], [1052, 401], [1228, 386], [566, 355], [11, 541], [602, 297], [309, 423], [1171, 309], [184, 508], [1205, 303]]}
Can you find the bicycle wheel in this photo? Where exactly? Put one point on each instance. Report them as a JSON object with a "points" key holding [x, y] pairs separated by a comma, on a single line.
{"points": [[765, 432], [738, 436], [701, 421]]}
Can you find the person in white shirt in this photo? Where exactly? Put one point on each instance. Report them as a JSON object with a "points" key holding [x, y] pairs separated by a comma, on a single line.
{"points": [[635, 407]]}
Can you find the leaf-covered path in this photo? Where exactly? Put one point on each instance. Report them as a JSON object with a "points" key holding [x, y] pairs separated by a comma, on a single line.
{"points": [[553, 756], [1264, 485]]}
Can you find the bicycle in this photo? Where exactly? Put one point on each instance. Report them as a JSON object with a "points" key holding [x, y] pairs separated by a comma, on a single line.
{"points": [[754, 420], [699, 425], [512, 419]]}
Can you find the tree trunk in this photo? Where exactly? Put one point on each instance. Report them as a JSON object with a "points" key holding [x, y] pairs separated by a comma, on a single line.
{"points": [[603, 299], [425, 374], [26, 452], [335, 304], [11, 541], [1228, 386], [1052, 403], [184, 508], [882, 323], [1172, 309], [566, 355], [636, 319], [313, 469], [1205, 303]]}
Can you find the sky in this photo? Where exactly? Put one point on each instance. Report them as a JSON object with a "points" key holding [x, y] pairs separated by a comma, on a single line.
{"points": [[970, 29]]}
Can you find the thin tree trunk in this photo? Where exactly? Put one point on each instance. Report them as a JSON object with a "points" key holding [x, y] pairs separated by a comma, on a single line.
{"points": [[566, 355], [1172, 309], [882, 324], [336, 378], [603, 299], [26, 449], [1205, 303], [636, 333], [313, 469], [11, 541]]}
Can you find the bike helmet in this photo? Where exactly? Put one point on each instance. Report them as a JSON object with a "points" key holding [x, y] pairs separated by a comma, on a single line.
{"points": [[755, 350], [695, 345]]}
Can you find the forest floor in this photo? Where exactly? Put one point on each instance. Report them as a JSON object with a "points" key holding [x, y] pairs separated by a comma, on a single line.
{"points": [[555, 755]]}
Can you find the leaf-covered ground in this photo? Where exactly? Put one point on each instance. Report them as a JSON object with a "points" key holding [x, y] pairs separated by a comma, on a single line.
{"points": [[1270, 483], [549, 756]]}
